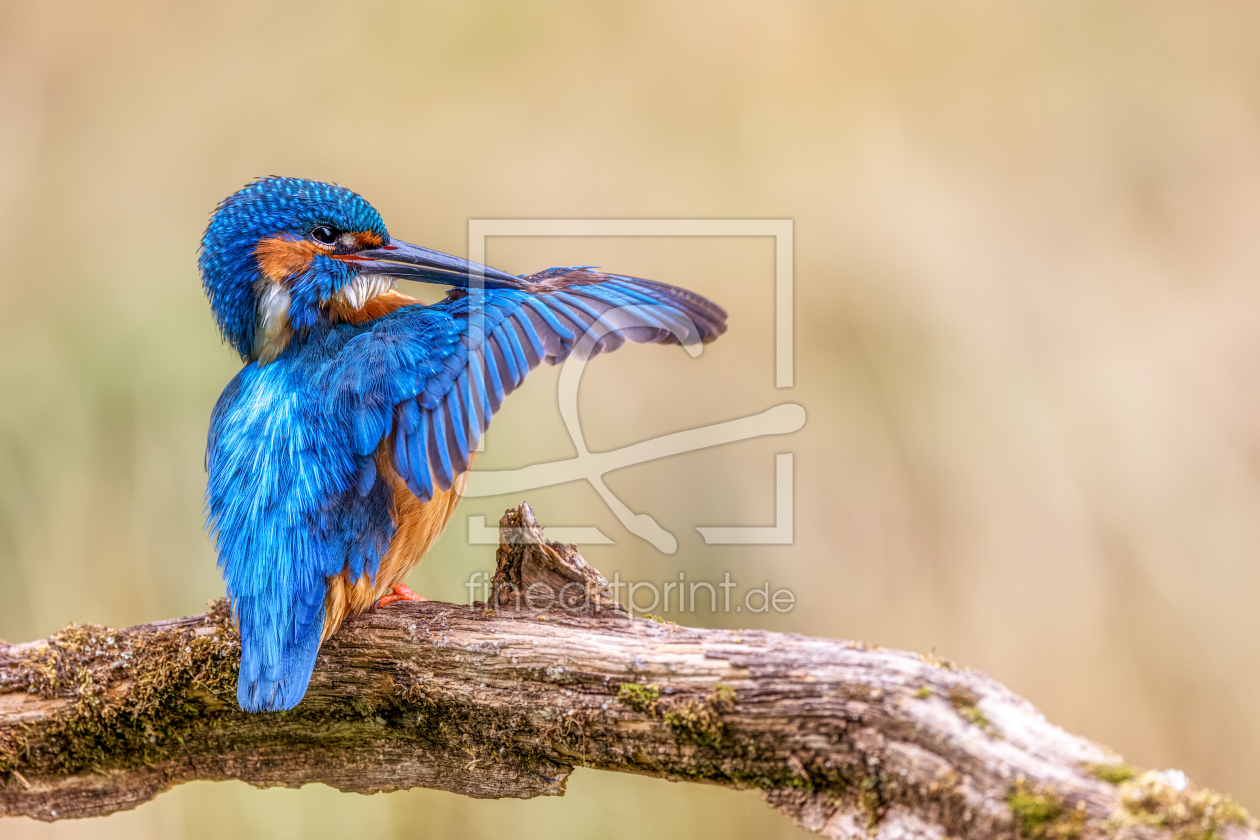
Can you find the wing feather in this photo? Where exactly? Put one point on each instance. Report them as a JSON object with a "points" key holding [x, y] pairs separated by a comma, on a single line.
{"points": [[505, 333]]}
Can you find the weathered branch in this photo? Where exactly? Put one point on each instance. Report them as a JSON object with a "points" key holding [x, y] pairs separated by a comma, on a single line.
{"points": [[845, 739]]}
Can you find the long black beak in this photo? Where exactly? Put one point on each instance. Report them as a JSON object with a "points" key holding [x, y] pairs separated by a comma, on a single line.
{"points": [[411, 262]]}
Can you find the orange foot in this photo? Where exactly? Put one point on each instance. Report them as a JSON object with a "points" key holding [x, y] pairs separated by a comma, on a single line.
{"points": [[399, 592]]}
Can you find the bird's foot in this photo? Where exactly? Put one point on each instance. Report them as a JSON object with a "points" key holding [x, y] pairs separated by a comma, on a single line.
{"points": [[399, 592]]}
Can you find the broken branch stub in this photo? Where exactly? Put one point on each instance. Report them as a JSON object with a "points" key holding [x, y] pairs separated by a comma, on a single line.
{"points": [[534, 573]]}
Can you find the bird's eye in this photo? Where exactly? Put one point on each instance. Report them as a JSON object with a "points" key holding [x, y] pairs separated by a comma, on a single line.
{"points": [[324, 234]]}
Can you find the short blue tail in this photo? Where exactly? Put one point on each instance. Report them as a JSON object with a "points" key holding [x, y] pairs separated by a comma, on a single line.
{"points": [[277, 651]]}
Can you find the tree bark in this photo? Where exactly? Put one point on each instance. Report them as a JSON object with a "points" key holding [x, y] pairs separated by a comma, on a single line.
{"points": [[501, 699]]}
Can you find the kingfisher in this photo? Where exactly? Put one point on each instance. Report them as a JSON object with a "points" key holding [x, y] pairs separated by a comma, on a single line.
{"points": [[337, 455]]}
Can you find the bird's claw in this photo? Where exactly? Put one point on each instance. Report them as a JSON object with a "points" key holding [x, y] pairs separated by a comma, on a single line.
{"points": [[399, 592]]}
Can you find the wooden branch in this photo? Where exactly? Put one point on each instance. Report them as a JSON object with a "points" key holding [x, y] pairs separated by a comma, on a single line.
{"points": [[847, 740]]}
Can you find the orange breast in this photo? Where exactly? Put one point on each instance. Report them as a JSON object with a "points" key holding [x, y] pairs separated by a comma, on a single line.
{"points": [[376, 307], [419, 524]]}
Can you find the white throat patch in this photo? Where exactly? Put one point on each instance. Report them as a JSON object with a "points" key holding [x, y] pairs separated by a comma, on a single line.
{"points": [[274, 331], [363, 288]]}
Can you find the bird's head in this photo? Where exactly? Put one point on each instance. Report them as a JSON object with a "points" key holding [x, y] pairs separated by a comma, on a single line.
{"points": [[283, 253]]}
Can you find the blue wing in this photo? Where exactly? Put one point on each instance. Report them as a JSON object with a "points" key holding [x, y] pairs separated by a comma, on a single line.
{"points": [[432, 412]]}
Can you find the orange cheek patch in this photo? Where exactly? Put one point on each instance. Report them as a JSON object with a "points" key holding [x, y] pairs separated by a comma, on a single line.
{"points": [[280, 258], [368, 239]]}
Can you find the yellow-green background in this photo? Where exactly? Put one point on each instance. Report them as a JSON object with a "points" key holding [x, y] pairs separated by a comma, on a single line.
{"points": [[1027, 330]]}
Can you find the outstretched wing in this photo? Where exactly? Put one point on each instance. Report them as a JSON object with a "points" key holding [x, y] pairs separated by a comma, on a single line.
{"points": [[432, 408]]}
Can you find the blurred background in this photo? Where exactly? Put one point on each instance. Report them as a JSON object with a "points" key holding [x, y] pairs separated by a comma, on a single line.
{"points": [[1027, 331]]}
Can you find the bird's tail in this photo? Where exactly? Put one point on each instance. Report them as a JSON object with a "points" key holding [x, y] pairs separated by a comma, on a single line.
{"points": [[278, 648]]}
